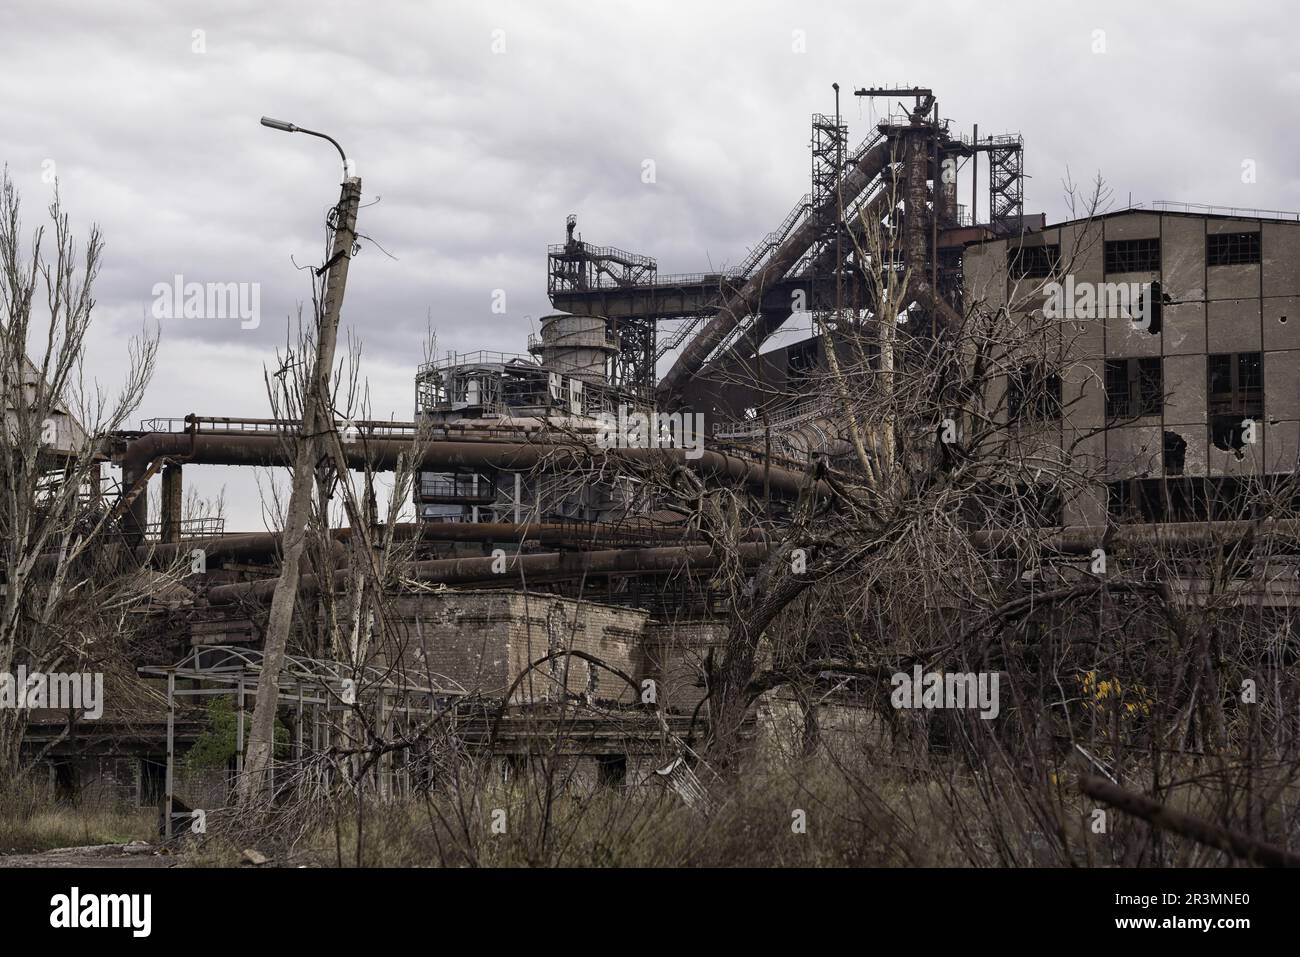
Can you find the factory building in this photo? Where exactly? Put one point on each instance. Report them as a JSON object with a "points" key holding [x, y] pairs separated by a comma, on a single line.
{"points": [[563, 387], [1176, 333]]}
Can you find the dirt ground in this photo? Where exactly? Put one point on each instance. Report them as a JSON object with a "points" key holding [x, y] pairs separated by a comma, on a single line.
{"points": [[96, 855]]}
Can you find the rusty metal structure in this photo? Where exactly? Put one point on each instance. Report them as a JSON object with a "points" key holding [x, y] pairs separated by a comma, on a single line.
{"points": [[502, 443], [495, 436], [902, 176], [485, 421]]}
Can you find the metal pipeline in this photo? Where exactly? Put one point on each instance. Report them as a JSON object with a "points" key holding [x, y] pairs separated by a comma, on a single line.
{"points": [[1078, 539], [532, 568], [1082, 539], [262, 544], [742, 303], [435, 455], [767, 323], [1069, 539]]}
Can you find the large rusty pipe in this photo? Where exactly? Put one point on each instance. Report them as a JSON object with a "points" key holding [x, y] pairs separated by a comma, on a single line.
{"points": [[264, 544], [1069, 539], [440, 454], [765, 326], [744, 302], [1083, 539], [536, 568]]}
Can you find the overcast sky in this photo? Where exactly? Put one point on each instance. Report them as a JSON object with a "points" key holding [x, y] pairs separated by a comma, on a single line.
{"points": [[477, 127]]}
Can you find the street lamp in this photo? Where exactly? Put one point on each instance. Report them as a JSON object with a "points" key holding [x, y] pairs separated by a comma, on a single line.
{"points": [[290, 128], [317, 422]]}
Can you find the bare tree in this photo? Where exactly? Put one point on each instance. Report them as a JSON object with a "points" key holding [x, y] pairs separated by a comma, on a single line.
{"points": [[55, 509]]}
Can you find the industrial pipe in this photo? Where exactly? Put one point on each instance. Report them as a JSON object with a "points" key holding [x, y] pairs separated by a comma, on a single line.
{"points": [[744, 302], [767, 323], [445, 455], [536, 568], [262, 544]]}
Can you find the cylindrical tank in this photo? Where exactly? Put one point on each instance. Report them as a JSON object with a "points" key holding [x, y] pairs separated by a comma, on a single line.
{"points": [[576, 346]]}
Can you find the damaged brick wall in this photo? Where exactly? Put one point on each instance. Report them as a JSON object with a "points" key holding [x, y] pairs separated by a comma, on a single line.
{"points": [[486, 639]]}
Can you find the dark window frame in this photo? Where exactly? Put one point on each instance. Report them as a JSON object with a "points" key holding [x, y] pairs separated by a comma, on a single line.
{"points": [[1244, 392], [1033, 262], [1196, 498], [1134, 387], [1132, 255], [1234, 249], [1039, 383], [1234, 393]]}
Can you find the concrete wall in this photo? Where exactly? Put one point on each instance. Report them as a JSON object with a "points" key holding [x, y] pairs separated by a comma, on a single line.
{"points": [[486, 639], [675, 656], [1214, 309]]}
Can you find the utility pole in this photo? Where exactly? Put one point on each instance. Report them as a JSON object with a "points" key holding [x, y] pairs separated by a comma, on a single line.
{"points": [[841, 224], [317, 424]]}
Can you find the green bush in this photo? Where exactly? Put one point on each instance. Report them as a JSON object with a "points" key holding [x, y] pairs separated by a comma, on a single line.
{"points": [[215, 748]]}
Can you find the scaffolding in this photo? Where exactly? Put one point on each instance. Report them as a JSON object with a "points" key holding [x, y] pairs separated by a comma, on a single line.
{"points": [[314, 687], [1006, 183], [830, 137], [575, 266]]}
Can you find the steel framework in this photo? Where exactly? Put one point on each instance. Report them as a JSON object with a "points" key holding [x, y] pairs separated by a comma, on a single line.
{"points": [[830, 139], [1006, 183], [302, 682], [575, 266]]}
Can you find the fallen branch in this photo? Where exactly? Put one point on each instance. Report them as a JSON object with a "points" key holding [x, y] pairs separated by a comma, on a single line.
{"points": [[1164, 817]]}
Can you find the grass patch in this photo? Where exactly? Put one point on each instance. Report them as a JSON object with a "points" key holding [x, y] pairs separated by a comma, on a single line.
{"points": [[29, 824]]}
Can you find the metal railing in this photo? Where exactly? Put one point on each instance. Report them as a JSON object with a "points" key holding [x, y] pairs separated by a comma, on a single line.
{"points": [[571, 340], [212, 527], [613, 253], [1238, 212], [874, 137], [433, 487], [786, 417], [762, 252], [736, 276], [479, 357], [225, 425], [796, 270], [711, 279]]}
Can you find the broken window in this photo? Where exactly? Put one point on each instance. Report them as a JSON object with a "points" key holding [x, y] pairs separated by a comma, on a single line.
{"points": [[611, 769], [1153, 313], [1232, 249], [1235, 397], [153, 781], [1133, 255], [1175, 453], [1033, 392], [556, 625], [1134, 387], [1033, 262], [1180, 499]]}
